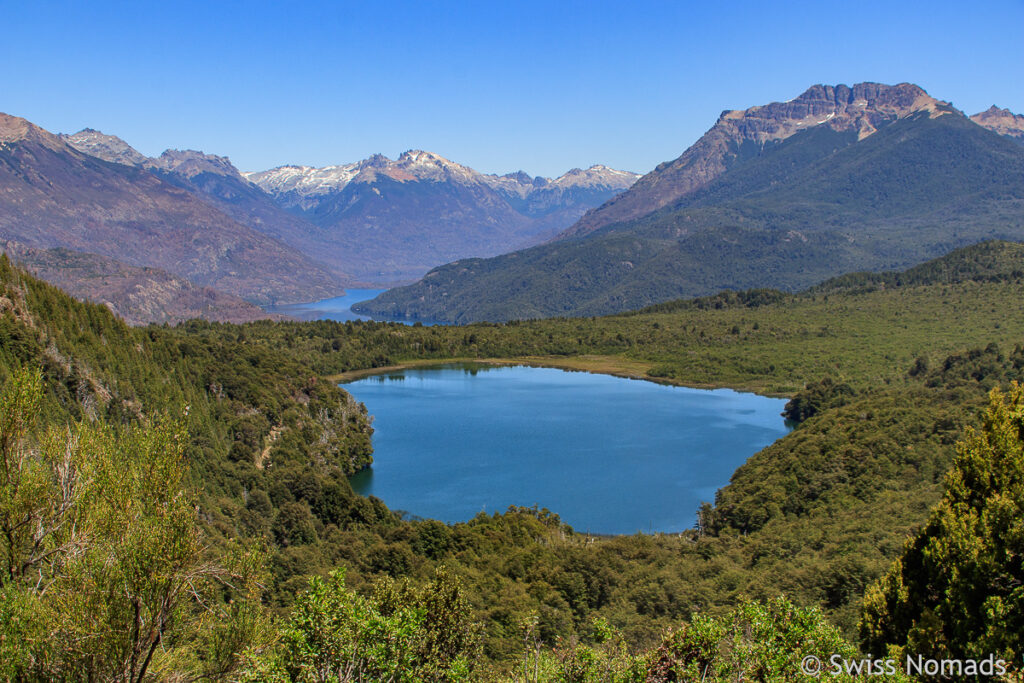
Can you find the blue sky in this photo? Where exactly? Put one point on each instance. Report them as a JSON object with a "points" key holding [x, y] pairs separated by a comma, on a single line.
{"points": [[541, 86]]}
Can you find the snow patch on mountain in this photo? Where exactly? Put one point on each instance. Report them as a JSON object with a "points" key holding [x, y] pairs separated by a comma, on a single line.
{"points": [[310, 183]]}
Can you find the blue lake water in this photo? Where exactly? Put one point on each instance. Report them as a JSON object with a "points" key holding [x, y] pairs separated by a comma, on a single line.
{"points": [[609, 455], [338, 308]]}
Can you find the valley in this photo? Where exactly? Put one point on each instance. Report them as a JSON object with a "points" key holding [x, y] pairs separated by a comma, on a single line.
{"points": [[881, 383], [309, 233], [399, 419]]}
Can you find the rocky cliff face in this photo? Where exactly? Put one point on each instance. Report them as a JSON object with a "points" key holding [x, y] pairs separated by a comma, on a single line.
{"points": [[1002, 121], [863, 108]]}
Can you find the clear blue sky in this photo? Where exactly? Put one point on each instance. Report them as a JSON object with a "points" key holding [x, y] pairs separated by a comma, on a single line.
{"points": [[542, 86]]}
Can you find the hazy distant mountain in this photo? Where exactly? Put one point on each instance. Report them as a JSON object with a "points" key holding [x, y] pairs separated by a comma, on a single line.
{"points": [[558, 203], [1002, 121], [785, 195], [378, 220], [391, 220], [138, 295], [57, 196]]}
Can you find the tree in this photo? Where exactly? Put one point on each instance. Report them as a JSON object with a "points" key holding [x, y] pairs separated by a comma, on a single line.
{"points": [[771, 641], [399, 634], [957, 592], [106, 576]]}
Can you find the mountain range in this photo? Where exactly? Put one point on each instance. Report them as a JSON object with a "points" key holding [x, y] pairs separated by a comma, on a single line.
{"points": [[784, 195], [57, 196], [378, 221], [387, 220], [191, 223]]}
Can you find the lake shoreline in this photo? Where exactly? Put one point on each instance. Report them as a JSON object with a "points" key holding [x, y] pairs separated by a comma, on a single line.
{"points": [[599, 365]]}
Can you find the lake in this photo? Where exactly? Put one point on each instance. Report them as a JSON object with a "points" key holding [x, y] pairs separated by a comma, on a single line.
{"points": [[340, 308], [607, 454], [336, 308]]}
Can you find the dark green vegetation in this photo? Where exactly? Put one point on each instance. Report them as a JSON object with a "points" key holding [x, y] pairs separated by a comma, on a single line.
{"points": [[104, 571], [788, 215], [957, 589], [897, 367], [398, 633]]}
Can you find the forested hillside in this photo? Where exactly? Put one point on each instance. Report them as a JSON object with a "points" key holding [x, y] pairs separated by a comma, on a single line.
{"points": [[884, 377]]}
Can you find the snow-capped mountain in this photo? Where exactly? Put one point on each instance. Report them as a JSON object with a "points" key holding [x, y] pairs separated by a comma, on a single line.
{"points": [[303, 185], [597, 177], [392, 220], [379, 220]]}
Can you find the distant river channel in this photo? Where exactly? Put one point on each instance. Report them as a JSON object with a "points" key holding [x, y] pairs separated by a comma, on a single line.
{"points": [[609, 455]]}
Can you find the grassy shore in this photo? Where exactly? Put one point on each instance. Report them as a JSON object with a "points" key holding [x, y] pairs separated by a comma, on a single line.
{"points": [[617, 366]]}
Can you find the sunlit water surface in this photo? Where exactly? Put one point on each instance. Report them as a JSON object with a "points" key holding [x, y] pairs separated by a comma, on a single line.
{"points": [[609, 455], [338, 308]]}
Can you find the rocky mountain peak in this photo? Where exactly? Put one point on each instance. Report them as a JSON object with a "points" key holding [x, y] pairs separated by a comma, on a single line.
{"points": [[15, 129], [190, 163], [107, 147], [1002, 121], [993, 112], [597, 175], [417, 164], [863, 108], [419, 157], [375, 161], [522, 177]]}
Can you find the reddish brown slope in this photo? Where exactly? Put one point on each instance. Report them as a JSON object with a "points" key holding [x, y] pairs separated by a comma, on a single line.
{"points": [[52, 195], [138, 295]]}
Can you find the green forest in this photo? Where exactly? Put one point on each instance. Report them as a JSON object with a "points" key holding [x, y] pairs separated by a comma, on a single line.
{"points": [[174, 501]]}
